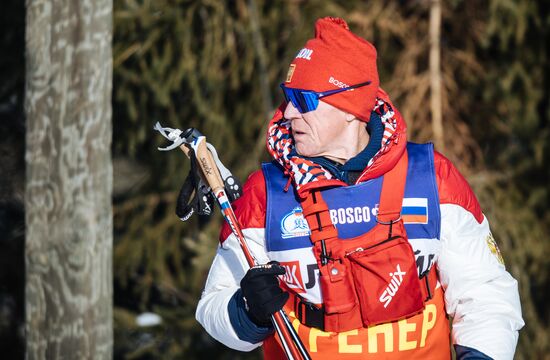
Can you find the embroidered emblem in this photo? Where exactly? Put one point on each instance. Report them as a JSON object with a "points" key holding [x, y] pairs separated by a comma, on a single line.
{"points": [[294, 224], [290, 72], [494, 248]]}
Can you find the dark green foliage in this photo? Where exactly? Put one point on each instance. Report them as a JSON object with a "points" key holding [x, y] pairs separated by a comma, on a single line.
{"points": [[216, 65]]}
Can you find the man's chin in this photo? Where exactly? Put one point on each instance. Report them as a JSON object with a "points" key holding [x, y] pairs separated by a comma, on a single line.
{"points": [[304, 150]]}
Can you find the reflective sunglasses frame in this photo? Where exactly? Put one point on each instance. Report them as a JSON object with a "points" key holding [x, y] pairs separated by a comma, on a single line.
{"points": [[308, 100]]}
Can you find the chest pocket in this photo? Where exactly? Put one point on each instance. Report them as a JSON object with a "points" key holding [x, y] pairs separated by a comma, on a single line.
{"points": [[368, 274], [360, 277]]}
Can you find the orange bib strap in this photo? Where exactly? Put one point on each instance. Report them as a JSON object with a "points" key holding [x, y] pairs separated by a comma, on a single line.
{"points": [[317, 214], [393, 191], [318, 217], [326, 233]]}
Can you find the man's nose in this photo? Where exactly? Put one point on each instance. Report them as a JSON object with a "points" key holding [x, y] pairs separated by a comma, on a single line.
{"points": [[291, 112]]}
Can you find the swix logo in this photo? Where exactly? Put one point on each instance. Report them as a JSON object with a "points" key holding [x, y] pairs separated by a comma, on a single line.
{"points": [[394, 284], [293, 276], [305, 53], [351, 215]]}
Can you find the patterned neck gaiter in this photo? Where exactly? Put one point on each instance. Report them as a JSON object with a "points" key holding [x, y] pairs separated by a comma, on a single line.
{"points": [[305, 171]]}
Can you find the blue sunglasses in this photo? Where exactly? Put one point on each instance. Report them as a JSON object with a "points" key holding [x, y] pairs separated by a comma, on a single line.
{"points": [[308, 100]]}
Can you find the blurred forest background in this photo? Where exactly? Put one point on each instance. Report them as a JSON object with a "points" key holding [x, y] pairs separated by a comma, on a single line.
{"points": [[216, 65]]}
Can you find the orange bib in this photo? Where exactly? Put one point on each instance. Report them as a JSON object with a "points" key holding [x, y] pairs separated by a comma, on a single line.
{"points": [[423, 336]]}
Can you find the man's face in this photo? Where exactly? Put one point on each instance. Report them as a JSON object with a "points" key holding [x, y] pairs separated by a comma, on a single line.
{"points": [[320, 132]]}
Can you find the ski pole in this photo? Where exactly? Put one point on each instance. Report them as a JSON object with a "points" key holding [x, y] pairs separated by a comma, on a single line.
{"points": [[192, 139]]}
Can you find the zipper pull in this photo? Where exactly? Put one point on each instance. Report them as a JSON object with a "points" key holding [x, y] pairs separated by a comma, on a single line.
{"points": [[354, 251]]}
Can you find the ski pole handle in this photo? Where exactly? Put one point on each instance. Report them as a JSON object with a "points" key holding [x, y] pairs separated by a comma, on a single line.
{"points": [[292, 344], [208, 166], [196, 141]]}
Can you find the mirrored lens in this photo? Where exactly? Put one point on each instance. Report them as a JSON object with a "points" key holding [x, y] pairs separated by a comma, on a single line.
{"points": [[303, 100], [310, 100], [297, 100]]}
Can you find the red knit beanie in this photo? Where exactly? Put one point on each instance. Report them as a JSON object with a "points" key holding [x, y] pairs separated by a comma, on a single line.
{"points": [[337, 58]]}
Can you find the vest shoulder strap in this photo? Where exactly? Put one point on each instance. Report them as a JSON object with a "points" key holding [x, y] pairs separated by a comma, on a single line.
{"points": [[393, 191], [316, 210]]}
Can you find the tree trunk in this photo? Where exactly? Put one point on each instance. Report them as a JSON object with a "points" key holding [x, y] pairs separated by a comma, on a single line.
{"points": [[68, 249], [435, 74]]}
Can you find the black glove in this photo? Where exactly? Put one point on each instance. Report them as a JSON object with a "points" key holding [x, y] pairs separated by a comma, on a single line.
{"points": [[261, 292]]}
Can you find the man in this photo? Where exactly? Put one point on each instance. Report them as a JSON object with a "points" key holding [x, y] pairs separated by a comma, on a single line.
{"points": [[378, 243]]}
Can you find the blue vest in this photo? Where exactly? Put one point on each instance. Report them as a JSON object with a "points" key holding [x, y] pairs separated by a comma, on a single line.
{"points": [[352, 210]]}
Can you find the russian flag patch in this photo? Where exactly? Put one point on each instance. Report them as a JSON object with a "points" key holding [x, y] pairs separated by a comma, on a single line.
{"points": [[415, 211]]}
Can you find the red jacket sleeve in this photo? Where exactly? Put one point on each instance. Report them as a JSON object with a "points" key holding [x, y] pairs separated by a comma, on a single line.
{"points": [[250, 207], [453, 188]]}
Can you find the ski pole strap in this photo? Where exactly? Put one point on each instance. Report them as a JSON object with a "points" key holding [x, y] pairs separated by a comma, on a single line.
{"points": [[184, 204], [194, 195]]}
